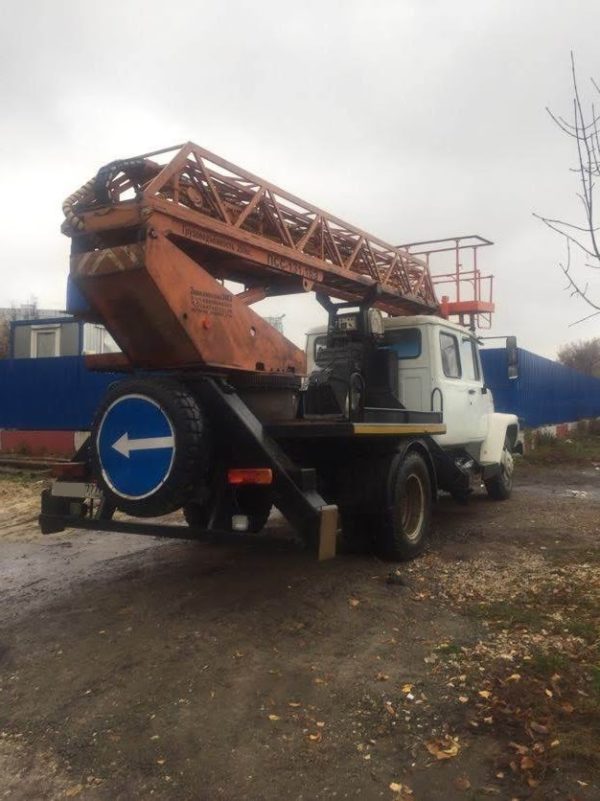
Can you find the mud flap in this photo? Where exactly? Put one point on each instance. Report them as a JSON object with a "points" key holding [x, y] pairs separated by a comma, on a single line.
{"points": [[328, 524]]}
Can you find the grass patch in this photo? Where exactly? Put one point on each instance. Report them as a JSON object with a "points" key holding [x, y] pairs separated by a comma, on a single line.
{"points": [[586, 629], [545, 664], [595, 681], [449, 649], [579, 745], [509, 614], [8, 476], [547, 701], [577, 449]]}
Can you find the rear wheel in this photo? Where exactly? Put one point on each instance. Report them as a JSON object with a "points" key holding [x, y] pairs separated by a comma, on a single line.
{"points": [[403, 527], [394, 515]]}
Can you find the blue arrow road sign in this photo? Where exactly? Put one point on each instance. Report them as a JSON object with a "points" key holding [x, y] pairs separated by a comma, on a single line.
{"points": [[136, 446]]}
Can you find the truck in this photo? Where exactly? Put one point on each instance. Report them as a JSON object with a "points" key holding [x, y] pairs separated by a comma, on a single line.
{"points": [[217, 414]]}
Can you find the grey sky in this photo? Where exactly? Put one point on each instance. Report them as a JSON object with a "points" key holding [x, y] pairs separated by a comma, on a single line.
{"points": [[412, 120]]}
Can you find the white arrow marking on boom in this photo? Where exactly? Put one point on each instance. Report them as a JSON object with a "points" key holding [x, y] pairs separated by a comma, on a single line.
{"points": [[124, 445]]}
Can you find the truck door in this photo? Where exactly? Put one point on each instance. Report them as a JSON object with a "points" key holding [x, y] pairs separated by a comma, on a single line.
{"points": [[414, 372], [479, 401], [460, 389]]}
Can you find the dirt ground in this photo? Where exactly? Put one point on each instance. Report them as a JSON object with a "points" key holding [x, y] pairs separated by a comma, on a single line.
{"points": [[133, 668]]}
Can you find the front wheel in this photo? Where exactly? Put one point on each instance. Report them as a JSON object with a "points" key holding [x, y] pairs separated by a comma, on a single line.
{"points": [[499, 487]]}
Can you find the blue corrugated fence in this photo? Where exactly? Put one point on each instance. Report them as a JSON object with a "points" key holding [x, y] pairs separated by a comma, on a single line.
{"points": [[62, 394], [544, 393], [50, 394]]}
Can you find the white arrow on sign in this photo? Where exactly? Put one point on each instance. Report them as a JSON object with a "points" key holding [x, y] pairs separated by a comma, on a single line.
{"points": [[124, 445]]}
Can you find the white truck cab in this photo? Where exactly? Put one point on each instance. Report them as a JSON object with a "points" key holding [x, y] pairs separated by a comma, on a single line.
{"points": [[439, 370]]}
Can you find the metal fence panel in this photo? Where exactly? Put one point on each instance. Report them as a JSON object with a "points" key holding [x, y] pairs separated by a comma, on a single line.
{"points": [[544, 393], [62, 394], [50, 394]]}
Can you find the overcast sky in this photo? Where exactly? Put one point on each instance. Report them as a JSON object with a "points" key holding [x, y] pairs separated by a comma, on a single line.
{"points": [[412, 120]]}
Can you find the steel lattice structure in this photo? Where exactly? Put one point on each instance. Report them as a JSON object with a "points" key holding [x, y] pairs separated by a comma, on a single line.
{"points": [[153, 243], [251, 231]]}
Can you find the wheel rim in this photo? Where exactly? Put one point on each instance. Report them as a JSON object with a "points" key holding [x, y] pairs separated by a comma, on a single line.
{"points": [[412, 510], [507, 467]]}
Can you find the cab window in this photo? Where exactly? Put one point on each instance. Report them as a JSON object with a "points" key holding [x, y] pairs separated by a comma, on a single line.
{"points": [[450, 355], [405, 342], [469, 359], [320, 345]]}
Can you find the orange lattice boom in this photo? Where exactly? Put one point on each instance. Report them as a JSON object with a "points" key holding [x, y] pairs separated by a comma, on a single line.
{"points": [[153, 243]]}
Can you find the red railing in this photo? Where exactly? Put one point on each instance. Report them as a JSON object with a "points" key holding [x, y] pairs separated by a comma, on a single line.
{"points": [[465, 292]]}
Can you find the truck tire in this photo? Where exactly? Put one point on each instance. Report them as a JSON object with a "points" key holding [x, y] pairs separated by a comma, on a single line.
{"points": [[402, 529], [188, 454], [499, 488], [102, 510]]}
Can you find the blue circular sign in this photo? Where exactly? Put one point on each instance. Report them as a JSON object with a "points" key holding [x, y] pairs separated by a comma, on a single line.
{"points": [[136, 446]]}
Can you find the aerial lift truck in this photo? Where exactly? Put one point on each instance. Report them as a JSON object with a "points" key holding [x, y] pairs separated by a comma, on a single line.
{"points": [[217, 414]]}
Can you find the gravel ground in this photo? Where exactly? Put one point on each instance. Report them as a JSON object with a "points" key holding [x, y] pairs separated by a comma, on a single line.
{"points": [[132, 668]]}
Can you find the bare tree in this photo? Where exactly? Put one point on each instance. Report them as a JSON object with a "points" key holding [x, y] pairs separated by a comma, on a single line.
{"points": [[582, 356], [4, 339], [583, 238]]}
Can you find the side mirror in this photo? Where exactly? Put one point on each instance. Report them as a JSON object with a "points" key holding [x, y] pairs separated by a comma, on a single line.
{"points": [[512, 357]]}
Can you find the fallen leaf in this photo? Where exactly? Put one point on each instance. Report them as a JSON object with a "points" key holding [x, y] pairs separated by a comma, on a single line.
{"points": [[389, 708], [382, 677], [316, 737], [71, 792], [406, 688], [321, 724], [160, 761], [443, 748], [484, 693], [549, 693], [520, 749], [294, 704], [274, 717], [567, 707], [554, 743], [538, 728], [353, 602], [404, 792], [526, 763], [514, 677], [462, 783], [463, 699]]}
